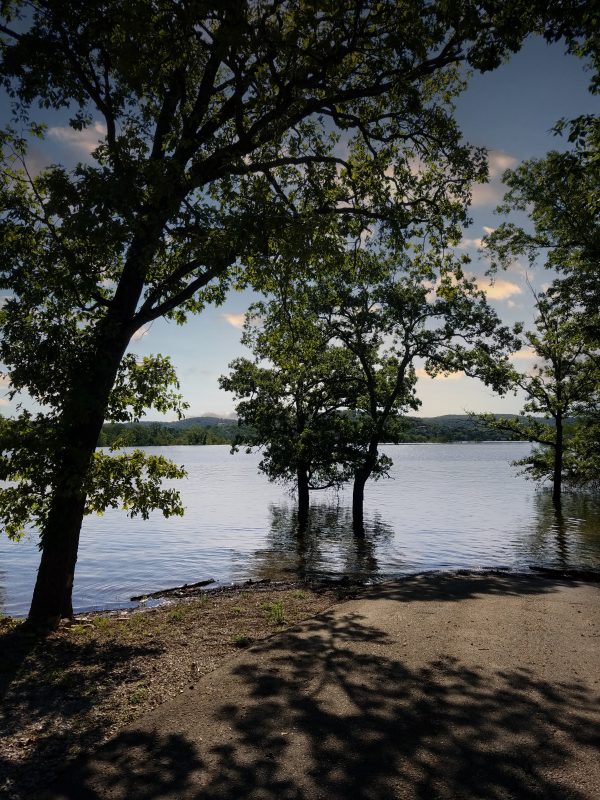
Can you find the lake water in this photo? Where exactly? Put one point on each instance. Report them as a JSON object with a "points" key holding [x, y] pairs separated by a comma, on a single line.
{"points": [[445, 507]]}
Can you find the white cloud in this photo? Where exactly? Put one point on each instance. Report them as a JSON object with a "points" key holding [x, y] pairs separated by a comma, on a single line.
{"points": [[500, 289], [499, 162], [237, 320], [139, 334], [466, 243], [491, 193], [526, 354], [4, 401], [518, 268], [365, 235], [420, 372], [486, 194], [86, 140], [488, 230]]}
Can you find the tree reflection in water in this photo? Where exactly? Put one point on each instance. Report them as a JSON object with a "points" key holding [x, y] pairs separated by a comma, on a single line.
{"points": [[321, 545], [3, 597], [565, 535]]}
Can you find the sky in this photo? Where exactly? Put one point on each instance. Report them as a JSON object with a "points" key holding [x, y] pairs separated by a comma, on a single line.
{"points": [[511, 112]]}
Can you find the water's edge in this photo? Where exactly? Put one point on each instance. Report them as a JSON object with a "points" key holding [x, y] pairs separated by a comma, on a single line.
{"points": [[447, 507]]}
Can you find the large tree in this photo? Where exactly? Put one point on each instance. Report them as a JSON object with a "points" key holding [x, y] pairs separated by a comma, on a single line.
{"points": [[397, 311], [290, 395], [225, 128]]}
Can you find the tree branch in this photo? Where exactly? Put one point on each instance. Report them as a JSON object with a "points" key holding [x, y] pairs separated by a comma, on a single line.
{"points": [[148, 312]]}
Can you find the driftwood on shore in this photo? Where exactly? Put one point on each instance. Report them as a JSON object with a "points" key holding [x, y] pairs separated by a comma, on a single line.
{"points": [[174, 591], [190, 589]]}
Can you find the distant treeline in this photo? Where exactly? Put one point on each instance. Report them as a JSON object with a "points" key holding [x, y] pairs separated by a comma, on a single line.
{"points": [[449, 428], [167, 433], [213, 430]]}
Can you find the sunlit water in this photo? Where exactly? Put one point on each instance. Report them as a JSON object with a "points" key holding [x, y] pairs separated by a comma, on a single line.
{"points": [[446, 507]]}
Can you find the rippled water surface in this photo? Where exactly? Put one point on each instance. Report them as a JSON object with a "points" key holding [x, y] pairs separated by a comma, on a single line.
{"points": [[446, 507]]}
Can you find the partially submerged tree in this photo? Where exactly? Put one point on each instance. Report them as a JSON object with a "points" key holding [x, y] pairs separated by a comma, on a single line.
{"points": [[393, 313], [221, 133], [561, 195], [289, 397], [561, 384]]}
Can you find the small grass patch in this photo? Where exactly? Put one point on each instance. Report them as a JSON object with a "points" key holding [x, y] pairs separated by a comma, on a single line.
{"points": [[79, 630], [276, 612], [139, 695], [8, 623], [101, 623]]}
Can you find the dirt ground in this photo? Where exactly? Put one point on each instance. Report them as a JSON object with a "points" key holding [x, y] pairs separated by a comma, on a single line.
{"points": [[447, 687], [437, 687], [70, 691]]}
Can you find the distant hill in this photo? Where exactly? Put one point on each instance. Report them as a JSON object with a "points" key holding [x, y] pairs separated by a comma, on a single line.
{"points": [[220, 430], [449, 428]]}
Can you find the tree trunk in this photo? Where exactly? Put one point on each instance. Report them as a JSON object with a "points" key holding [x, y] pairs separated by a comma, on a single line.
{"points": [[358, 495], [82, 421], [52, 595], [303, 493], [361, 476], [83, 415], [558, 460]]}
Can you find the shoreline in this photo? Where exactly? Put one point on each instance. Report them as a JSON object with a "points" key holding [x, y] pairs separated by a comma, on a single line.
{"points": [[212, 587]]}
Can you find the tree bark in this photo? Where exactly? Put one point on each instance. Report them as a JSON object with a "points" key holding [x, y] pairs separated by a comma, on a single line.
{"points": [[361, 476], [303, 493], [82, 421], [358, 495], [558, 460], [52, 595]]}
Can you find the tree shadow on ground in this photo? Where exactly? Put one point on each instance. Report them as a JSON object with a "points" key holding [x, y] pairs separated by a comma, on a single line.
{"points": [[463, 585], [50, 690], [329, 710], [375, 728], [142, 765]]}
